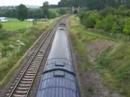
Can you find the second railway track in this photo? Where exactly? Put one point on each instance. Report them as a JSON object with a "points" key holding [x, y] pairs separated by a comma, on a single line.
{"points": [[22, 84]]}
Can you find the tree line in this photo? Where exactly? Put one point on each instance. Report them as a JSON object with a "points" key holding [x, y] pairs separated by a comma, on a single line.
{"points": [[93, 4], [22, 12]]}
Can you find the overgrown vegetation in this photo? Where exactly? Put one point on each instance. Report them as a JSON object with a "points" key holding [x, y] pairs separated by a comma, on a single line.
{"points": [[110, 20], [112, 64], [15, 38], [94, 4]]}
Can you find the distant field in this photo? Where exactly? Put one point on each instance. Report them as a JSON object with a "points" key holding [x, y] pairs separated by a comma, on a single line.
{"points": [[14, 24]]}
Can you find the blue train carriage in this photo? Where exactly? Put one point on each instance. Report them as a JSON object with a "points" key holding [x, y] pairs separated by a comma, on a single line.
{"points": [[58, 78]]}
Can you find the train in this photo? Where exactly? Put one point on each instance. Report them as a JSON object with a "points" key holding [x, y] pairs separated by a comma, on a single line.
{"points": [[58, 78]]}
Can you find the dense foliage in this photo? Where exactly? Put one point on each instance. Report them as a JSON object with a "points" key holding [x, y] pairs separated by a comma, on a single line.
{"points": [[93, 4], [23, 12], [108, 19]]}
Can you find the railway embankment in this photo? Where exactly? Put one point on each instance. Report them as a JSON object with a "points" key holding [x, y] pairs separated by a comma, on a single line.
{"points": [[102, 62]]}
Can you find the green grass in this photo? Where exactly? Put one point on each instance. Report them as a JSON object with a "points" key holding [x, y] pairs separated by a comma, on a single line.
{"points": [[112, 64], [14, 42], [14, 24], [115, 68]]}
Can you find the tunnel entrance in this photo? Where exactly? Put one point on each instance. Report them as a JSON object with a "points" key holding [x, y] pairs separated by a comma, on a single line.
{"points": [[75, 10]]}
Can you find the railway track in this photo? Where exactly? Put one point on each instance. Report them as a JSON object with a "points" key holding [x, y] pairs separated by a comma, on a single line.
{"points": [[25, 79]]}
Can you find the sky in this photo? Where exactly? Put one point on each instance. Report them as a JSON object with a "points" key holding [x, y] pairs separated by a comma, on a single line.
{"points": [[26, 2]]}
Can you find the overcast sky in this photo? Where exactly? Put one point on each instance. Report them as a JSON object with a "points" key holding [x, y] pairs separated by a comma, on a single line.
{"points": [[26, 2]]}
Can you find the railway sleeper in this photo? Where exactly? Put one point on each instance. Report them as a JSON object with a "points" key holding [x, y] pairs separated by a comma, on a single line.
{"points": [[21, 92], [30, 74], [34, 65], [26, 82], [27, 79], [18, 95], [38, 59], [32, 69], [23, 88], [41, 55], [25, 85]]}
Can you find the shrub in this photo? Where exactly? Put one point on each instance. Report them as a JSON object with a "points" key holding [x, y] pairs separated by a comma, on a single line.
{"points": [[99, 24], [126, 28], [89, 18], [52, 14], [107, 11], [108, 22], [123, 11], [117, 27], [82, 17], [62, 11]]}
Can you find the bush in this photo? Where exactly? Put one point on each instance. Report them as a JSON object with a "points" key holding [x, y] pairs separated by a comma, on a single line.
{"points": [[117, 27], [62, 11], [108, 19], [107, 11], [90, 22], [123, 11], [89, 18], [52, 14], [126, 28], [99, 24], [108, 22]]}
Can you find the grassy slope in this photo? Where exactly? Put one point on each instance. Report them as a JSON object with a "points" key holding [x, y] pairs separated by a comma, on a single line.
{"points": [[112, 64], [16, 30]]}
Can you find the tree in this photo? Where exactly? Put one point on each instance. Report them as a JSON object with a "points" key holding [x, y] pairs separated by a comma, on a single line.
{"points": [[22, 12], [93, 4], [45, 10]]}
